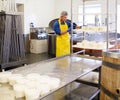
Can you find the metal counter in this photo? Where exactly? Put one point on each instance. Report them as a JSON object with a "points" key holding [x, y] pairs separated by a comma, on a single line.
{"points": [[67, 69]]}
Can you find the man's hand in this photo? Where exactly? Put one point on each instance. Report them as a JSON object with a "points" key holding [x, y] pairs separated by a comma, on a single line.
{"points": [[78, 27]]}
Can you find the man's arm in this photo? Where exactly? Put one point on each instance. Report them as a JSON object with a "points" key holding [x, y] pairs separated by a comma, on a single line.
{"points": [[74, 25], [56, 28]]}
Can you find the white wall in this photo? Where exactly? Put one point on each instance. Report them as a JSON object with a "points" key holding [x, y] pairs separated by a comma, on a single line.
{"points": [[61, 5], [40, 12]]}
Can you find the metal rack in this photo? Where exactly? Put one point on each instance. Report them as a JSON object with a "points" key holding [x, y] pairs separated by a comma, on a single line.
{"points": [[108, 19], [12, 51], [67, 68]]}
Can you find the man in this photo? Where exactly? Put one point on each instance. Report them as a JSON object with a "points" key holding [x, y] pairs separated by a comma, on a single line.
{"points": [[62, 27]]}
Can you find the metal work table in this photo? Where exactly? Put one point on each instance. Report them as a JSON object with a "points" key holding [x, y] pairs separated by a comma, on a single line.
{"points": [[67, 69]]}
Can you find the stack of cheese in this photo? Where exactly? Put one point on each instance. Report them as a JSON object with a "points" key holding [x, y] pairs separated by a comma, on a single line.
{"points": [[91, 29], [92, 45], [30, 86], [92, 76]]}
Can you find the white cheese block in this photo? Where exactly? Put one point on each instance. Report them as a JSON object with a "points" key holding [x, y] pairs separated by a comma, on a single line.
{"points": [[54, 83], [92, 76], [4, 76], [31, 94], [19, 90], [44, 79], [32, 84], [33, 76], [13, 79], [22, 81], [44, 89]]}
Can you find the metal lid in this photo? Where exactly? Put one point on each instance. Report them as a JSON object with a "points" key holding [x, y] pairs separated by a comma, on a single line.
{"points": [[51, 23], [112, 53]]}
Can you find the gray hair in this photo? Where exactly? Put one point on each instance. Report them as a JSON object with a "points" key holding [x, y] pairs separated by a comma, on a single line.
{"points": [[64, 13]]}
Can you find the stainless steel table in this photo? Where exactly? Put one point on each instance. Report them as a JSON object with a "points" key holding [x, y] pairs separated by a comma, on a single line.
{"points": [[67, 69]]}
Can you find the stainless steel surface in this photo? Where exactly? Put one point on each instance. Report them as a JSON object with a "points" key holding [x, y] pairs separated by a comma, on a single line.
{"points": [[112, 53], [67, 69], [38, 33]]}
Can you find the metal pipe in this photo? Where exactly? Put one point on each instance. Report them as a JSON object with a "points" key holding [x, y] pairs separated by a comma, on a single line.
{"points": [[116, 25], [82, 51], [71, 40], [84, 21], [107, 34]]}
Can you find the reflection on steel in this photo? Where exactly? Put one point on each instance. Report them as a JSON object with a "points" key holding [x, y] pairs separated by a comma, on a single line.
{"points": [[67, 68]]}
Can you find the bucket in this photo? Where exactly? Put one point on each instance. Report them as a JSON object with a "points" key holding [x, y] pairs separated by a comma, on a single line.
{"points": [[110, 75]]}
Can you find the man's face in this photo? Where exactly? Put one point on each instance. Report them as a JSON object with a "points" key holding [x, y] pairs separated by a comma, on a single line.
{"points": [[63, 18]]}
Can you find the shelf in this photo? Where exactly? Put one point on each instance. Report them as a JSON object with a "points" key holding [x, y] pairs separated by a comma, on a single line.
{"points": [[83, 92], [91, 78], [91, 29]]}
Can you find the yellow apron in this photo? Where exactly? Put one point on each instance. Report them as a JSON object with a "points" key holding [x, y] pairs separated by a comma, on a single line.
{"points": [[62, 41]]}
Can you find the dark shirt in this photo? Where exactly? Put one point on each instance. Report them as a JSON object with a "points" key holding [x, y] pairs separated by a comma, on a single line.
{"points": [[57, 27]]}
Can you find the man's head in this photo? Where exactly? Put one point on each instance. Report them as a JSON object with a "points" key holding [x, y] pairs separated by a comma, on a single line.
{"points": [[63, 15]]}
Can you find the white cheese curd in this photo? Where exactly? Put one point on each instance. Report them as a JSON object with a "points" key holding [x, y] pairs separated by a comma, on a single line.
{"points": [[33, 76], [19, 90], [79, 44], [13, 79], [95, 77], [92, 44], [54, 83], [44, 79], [32, 84], [4, 77], [100, 45], [22, 81], [31, 94], [44, 89]]}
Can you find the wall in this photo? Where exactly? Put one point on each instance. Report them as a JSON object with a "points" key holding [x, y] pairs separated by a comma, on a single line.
{"points": [[40, 12], [61, 5]]}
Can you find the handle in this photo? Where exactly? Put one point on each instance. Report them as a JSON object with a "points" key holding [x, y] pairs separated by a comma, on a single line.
{"points": [[118, 91]]}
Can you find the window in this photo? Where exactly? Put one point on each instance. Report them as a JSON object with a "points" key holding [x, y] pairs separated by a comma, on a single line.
{"points": [[92, 14], [118, 19]]}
